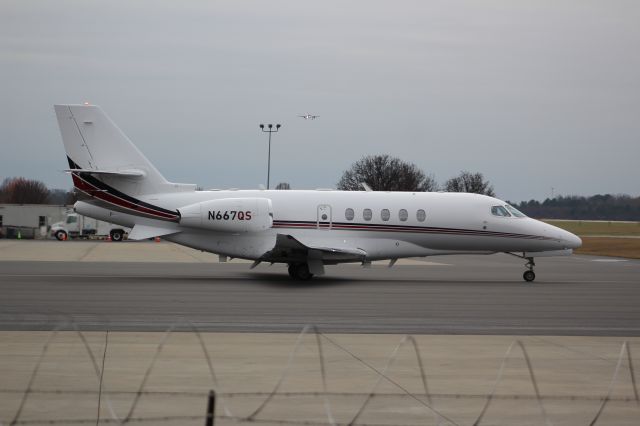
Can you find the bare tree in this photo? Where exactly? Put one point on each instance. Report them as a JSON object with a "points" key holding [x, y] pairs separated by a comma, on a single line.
{"points": [[3, 191], [20, 190], [386, 173], [70, 197], [469, 182], [58, 197], [73, 196], [283, 185]]}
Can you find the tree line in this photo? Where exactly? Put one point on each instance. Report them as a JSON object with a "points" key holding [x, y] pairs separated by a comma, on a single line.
{"points": [[387, 173], [20, 190], [596, 207]]}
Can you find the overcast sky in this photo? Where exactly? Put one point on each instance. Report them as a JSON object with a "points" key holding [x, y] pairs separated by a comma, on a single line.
{"points": [[534, 94]]}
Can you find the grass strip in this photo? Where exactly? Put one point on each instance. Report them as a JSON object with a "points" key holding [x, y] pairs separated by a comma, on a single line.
{"points": [[610, 246], [590, 227]]}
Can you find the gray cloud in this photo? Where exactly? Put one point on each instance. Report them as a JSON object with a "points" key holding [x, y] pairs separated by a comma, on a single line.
{"points": [[533, 93]]}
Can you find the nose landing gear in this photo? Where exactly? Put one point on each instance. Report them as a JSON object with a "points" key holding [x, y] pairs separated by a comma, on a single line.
{"points": [[529, 275]]}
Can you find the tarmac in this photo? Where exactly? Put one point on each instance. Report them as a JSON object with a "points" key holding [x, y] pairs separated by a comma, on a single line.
{"points": [[489, 349], [135, 378], [153, 286]]}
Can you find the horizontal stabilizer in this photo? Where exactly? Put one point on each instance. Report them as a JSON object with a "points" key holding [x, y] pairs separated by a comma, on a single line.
{"points": [[143, 232], [124, 173]]}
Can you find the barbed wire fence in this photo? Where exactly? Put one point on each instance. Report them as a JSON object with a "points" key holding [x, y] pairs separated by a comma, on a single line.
{"points": [[217, 397]]}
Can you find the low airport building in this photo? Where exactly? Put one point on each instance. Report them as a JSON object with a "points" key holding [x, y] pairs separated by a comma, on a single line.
{"points": [[29, 220]]}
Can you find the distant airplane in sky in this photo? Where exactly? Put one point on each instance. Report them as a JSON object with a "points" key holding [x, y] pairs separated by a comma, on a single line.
{"points": [[304, 229], [309, 116]]}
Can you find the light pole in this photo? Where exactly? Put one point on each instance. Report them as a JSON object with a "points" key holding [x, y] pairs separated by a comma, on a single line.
{"points": [[269, 130]]}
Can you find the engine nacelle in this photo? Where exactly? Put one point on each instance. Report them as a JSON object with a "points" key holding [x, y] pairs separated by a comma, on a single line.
{"points": [[229, 215]]}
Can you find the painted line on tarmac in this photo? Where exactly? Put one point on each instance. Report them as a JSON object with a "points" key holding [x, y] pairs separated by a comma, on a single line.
{"points": [[39, 325], [610, 260]]}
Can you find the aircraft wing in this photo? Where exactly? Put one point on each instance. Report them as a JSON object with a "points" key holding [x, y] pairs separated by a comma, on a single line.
{"points": [[143, 232], [288, 249]]}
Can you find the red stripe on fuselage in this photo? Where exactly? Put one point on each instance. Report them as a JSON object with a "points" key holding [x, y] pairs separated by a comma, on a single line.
{"points": [[407, 229], [103, 195]]}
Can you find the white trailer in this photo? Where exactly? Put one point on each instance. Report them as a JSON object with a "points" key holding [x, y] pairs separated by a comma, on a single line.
{"points": [[31, 220], [79, 226]]}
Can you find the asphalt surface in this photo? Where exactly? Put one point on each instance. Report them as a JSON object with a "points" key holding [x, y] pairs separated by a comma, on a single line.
{"points": [[578, 295]]}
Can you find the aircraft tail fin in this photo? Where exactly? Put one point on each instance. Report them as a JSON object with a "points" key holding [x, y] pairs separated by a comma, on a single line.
{"points": [[99, 153]]}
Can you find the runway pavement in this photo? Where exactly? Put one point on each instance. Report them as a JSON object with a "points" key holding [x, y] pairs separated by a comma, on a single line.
{"points": [[578, 295], [451, 303]]}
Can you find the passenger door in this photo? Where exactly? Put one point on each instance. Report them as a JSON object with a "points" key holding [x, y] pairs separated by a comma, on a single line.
{"points": [[324, 217]]}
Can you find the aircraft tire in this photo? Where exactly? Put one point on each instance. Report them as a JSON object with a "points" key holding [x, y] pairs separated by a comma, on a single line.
{"points": [[300, 271], [292, 270], [529, 276], [117, 235]]}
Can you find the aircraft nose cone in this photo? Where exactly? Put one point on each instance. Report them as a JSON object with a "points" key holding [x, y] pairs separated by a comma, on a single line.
{"points": [[572, 241]]}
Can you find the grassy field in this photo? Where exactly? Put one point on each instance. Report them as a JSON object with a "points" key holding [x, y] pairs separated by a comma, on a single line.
{"points": [[611, 246], [588, 227], [604, 238]]}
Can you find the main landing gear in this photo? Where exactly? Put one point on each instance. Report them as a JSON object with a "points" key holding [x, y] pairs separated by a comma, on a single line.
{"points": [[300, 271]]}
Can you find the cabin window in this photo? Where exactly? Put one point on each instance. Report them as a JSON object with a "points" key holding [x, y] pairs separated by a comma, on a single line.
{"points": [[72, 219], [499, 211], [385, 214], [403, 215], [42, 221], [514, 211], [349, 214], [421, 215], [366, 214]]}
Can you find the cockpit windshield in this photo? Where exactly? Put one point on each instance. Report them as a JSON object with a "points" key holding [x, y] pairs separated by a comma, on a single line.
{"points": [[499, 211], [514, 211]]}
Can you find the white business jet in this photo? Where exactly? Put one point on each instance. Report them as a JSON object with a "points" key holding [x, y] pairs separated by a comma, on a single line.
{"points": [[304, 229]]}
